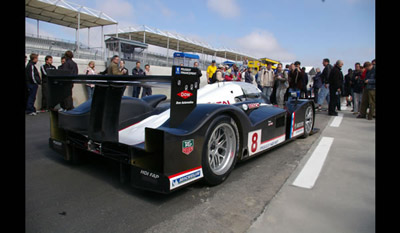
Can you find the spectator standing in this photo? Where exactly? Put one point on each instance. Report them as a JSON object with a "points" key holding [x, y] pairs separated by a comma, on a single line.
{"points": [[245, 61], [218, 76], [72, 67], [122, 67], [335, 83], [295, 79], [324, 91], [267, 81], [282, 85], [368, 97], [90, 70], [211, 70], [198, 71], [287, 70], [147, 90], [220, 73], [357, 87], [258, 76], [347, 87], [234, 74], [113, 68], [43, 70], [124, 70], [25, 85], [32, 80], [305, 81], [62, 62], [317, 84], [243, 74], [139, 72], [248, 77]]}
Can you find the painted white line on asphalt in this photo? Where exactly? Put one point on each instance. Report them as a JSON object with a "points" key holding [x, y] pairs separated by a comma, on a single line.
{"points": [[312, 169], [337, 120]]}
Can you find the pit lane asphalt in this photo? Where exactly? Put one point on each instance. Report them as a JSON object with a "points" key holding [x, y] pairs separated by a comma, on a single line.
{"points": [[88, 197]]}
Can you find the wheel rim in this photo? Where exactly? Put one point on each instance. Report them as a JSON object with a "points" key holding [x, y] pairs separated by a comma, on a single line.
{"points": [[221, 148], [309, 119]]}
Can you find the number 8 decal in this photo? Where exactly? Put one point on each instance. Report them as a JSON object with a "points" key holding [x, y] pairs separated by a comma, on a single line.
{"points": [[254, 141]]}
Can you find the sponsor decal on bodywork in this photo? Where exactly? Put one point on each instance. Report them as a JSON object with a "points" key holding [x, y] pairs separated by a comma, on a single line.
{"points": [[253, 105], [187, 146], [149, 174], [185, 177], [296, 129], [185, 94], [223, 102], [255, 145]]}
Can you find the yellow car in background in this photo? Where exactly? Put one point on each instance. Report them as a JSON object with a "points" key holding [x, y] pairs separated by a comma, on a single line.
{"points": [[255, 64], [274, 63]]}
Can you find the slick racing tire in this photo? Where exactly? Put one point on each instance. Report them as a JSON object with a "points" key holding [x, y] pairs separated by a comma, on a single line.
{"points": [[308, 120], [220, 149]]}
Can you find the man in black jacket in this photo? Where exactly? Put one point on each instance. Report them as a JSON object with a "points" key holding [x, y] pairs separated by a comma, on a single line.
{"points": [[137, 71], [72, 67], [324, 90], [43, 70], [335, 83], [32, 80]]}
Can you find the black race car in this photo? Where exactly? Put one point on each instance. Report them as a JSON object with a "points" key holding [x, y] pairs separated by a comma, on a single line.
{"points": [[199, 134]]}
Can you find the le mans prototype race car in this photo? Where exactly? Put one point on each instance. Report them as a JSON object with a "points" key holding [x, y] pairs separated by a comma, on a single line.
{"points": [[162, 146]]}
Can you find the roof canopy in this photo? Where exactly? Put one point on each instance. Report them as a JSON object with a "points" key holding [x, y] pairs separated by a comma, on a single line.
{"points": [[65, 13], [176, 42], [136, 44]]}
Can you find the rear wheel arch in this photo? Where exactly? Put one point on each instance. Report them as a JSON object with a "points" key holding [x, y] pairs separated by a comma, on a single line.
{"points": [[217, 172]]}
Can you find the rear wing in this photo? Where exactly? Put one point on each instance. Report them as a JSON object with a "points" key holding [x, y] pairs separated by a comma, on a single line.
{"points": [[105, 106]]}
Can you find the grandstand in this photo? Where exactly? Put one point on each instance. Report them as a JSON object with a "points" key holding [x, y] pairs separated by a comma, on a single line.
{"points": [[72, 15], [76, 16], [57, 47]]}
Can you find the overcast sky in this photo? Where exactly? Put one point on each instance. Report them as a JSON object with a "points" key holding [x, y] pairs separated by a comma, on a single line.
{"points": [[285, 30]]}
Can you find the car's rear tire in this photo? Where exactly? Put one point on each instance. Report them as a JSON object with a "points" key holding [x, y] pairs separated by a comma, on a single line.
{"points": [[220, 150]]}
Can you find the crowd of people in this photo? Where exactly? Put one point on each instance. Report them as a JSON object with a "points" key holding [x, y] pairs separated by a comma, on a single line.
{"points": [[330, 85], [274, 83], [277, 85], [34, 78], [358, 87]]}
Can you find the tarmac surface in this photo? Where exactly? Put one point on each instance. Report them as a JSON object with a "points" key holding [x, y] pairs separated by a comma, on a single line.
{"points": [[343, 196], [257, 196]]}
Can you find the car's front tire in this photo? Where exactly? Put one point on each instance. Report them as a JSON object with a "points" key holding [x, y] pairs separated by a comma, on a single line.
{"points": [[308, 120], [220, 149]]}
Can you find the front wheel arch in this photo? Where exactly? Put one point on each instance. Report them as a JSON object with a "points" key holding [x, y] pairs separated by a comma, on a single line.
{"points": [[308, 123]]}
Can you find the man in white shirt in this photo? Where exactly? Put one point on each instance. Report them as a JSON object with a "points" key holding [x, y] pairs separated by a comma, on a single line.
{"points": [[267, 81]]}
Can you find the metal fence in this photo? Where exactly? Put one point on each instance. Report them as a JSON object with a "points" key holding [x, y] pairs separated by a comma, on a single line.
{"points": [[57, 47]]}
